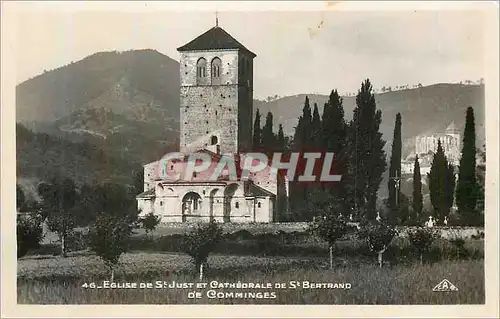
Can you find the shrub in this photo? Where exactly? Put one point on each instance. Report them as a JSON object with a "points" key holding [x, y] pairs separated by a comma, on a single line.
{"points": [[200, 242], [378, 236], [29, 233], [242, 234], [77, 240], [422, 239], [109, 236], [329, 228], [458, 242], [149, 222]]}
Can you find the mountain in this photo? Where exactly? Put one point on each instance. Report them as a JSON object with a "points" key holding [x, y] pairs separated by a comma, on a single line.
{"points": [[424, 110], [138, 84], [104, 116], [98, 118]]}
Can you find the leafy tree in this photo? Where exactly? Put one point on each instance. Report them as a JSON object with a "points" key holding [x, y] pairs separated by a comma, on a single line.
{"points": [[422, 239], [149, 222], [29, 233], [139, 181], [20, 198], [441, 184], [113, 199], [109, 237], [467, 188], [257, 135], [58, 202], [379, 236], [367, 159], [330, 228], [395, 170], [200, 242], [417, 191], [112, 227]]}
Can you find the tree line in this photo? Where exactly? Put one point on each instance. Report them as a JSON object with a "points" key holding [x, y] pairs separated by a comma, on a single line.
{"points": [[361, 160], [358, 149]]}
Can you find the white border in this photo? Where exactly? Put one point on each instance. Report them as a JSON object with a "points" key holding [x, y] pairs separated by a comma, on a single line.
{"points": [[9, 307]]}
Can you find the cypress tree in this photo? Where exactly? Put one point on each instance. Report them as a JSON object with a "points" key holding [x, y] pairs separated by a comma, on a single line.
{"points": [[395, 170], [334, 124], [302, 137], [316, 128], [282, 200], [268, 142], [467, 190], [281, 139], [441, 184], [417, 191], [481, 174], [334, 134], [367, 159], [256, 132], [301, 143]]}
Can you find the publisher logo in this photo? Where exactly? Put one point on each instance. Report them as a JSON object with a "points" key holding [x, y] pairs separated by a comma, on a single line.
{"points": [[445, 285]]}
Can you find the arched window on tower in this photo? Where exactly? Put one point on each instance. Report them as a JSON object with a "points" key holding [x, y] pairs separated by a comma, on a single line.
{"points": [[201, 70], [216, 71]]}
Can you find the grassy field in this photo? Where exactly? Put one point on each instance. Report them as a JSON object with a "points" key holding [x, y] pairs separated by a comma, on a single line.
{"points": [[59, 281], [257, 257]]}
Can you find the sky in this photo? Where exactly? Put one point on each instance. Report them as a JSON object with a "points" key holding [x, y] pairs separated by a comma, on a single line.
{"points": [[297, 51]]}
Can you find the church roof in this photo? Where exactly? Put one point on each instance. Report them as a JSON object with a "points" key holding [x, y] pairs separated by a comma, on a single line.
{"points": [[452, 128], [256, 190], [147, 194], [214, 39]]}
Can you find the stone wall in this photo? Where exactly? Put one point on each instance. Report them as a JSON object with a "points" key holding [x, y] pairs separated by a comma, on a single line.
{"points": [[206, 109], [226, 105], [257, 228]]}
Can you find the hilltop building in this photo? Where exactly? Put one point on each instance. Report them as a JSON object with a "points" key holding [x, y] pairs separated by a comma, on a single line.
{"points": [[216, 117], [426, 146]]}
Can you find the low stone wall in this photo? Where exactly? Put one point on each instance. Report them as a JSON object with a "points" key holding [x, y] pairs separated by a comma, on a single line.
{"points": [[259, 228], [449, 232]]}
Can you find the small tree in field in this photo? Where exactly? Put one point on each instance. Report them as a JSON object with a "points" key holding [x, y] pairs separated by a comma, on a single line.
{"points": [[109, 237], [149, 222], [379, 236], [113, 225], [330, 228], [200, 242], [58, 203], [422, 239]]}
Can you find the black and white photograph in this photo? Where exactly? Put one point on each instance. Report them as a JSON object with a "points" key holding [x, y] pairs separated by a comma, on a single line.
{"points": [[167, 154]]}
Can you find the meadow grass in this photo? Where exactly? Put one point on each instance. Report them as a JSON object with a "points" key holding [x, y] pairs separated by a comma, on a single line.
{"points": [[59, 280], [278, 257]]}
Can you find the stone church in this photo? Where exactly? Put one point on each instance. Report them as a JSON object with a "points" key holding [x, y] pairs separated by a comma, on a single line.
{"points": [[216, 118]]}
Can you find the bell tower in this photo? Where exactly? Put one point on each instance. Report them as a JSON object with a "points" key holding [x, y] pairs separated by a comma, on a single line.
{"points": [[216, 110]]}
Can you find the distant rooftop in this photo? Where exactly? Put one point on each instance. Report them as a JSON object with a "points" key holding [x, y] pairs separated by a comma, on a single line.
{"points": [[452, 128], [214, 39]]}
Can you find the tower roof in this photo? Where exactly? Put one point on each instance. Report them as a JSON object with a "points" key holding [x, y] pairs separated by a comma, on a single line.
{"points": [[214, 39]]}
